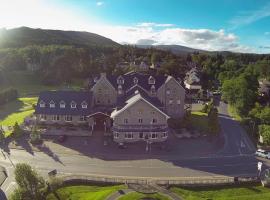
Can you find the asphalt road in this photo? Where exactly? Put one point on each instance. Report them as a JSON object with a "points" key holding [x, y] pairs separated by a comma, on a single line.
{"points": [[236, 159]]}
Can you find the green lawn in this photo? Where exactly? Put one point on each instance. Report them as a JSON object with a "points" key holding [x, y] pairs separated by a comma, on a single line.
{"points": [[199, 121], [249, 192], [85, 192], [16, 111], [138, 196]]}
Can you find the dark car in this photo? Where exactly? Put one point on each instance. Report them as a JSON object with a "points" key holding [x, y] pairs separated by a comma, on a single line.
{"points": [[62, 138]]}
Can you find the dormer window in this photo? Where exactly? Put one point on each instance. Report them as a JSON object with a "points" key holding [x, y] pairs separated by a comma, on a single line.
{"points": [[135, 80], [42, 104], [151, 80], [52, 104], [153, 89], [73, 104], [168, 91], [120, 80], [62, 104], [84, 104]]}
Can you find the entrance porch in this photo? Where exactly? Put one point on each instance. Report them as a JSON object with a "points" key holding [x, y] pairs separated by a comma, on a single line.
{"points": [[100, 122]]}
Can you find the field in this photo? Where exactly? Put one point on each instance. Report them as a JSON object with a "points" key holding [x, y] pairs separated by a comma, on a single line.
{"points": [[248, 192], [138, 196], [85, 192], [16, 111]]}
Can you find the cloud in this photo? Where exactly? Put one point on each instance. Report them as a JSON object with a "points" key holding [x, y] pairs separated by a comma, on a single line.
{"points": [[264, 47], [267, 33], [100, 3], [206, 39], [249, 17], [152, 24]]}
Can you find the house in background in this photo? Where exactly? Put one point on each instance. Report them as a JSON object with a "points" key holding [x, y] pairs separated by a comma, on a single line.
{"points": [[134, 106], [192, 82]]}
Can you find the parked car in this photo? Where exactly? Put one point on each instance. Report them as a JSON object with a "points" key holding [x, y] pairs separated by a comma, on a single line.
{"points": [[62, 138], [122, 146], [262, 153]]}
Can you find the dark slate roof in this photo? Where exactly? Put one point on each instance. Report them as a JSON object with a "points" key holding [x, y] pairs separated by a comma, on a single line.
{"points": [[67, 97], [128, 80]]}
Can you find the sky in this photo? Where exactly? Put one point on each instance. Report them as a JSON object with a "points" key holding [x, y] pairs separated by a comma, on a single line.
{"points": [[233, 25]]}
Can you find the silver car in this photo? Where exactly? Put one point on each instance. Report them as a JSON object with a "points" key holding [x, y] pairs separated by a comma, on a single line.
{"points": [[262, 153]]}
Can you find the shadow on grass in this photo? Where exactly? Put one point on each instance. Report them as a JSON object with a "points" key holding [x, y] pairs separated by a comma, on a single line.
{"points": [[9, 108]]}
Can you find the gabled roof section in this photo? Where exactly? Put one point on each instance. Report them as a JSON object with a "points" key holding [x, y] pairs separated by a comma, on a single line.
{"points": [[134, 99]]}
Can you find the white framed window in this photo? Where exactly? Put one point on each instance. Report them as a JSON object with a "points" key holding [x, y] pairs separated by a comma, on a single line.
{"points": [[168, 91], [43, 117], [153, 89], [52, 104], [84, 105], [73, 104], [68, 118], [42, 104], [126, 121], [141, 135], [62, 104], [151, 80], [83, 118], [170, 101], [153, 121], [120, 89], [116, 135], [129, 135], [120, 80], [140, 120], [178, 101], [154, 135], [135, 80], [55, 117]]}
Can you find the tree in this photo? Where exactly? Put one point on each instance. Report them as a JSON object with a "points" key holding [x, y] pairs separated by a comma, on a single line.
{"points": [[264, 131], [17, 131], [2, 134], [213, 124], [30, 185]]}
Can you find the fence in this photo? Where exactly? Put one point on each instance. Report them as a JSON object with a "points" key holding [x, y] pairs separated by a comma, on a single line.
{"points": [[212, 180]]}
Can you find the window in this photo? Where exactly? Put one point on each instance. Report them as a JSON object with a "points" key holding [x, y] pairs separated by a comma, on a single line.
{"points": [[52, 104], [62, 104], [140, 120], [151, 80], [73, 104], [68, 118], [170, 101], [43, 117], [99, 90], [168, 91], [126, 121], [116, 135], [164, 135], [141, 135], [120, 91], [153, 89], [135, 80], [120, 80], [83, 118], [84, 105], [55, 117], [178, 101], [42, 104], [154, 135], [154, 121], [129, 135]]}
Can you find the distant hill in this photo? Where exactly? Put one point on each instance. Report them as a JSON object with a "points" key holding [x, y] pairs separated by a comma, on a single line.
{"points": [[176, 49], [24, 36]]}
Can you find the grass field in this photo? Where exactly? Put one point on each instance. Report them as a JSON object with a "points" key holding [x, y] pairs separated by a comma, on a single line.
{"points": [[199, 121], [16, 111], [85, 192], [248, 192], [28, 84], [138, 196]]}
